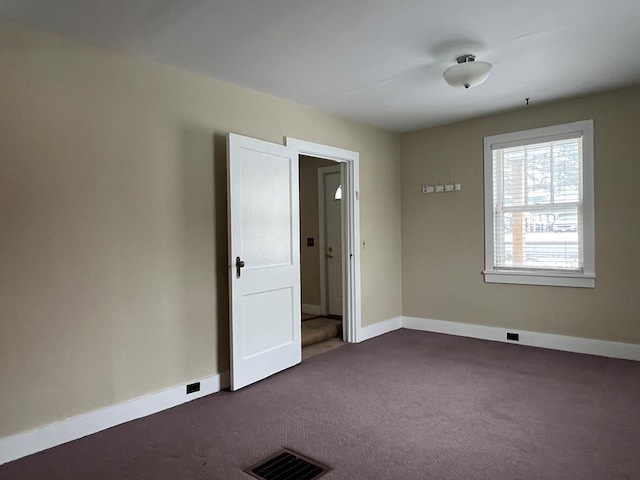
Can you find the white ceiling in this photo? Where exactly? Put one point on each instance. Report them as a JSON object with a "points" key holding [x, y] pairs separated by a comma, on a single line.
{"points": [[376, 61]]}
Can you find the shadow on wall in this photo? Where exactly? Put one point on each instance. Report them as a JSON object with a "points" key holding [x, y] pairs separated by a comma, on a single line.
{"points": [[202, 234], [222, 247]]}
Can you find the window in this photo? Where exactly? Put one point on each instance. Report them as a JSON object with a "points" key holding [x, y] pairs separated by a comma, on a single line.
{"points": [[539, 214]]}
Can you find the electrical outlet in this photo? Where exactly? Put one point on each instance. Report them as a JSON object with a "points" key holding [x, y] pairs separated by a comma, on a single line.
{"points": [[513, 336], [193, 387]]}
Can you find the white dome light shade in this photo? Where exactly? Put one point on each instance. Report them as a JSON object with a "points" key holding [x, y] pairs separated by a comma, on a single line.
{"points": [[468, 72]]}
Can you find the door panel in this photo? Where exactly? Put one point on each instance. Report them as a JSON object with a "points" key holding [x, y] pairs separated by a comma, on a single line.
{"points": [[259, 336], [264, 234], [266, 225]]}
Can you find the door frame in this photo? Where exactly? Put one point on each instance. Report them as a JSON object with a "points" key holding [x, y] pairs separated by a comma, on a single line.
{"points": [[322, 239], [350, 174]]}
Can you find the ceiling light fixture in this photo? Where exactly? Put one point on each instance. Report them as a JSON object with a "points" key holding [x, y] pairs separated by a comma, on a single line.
{"points": [[467, 73]]}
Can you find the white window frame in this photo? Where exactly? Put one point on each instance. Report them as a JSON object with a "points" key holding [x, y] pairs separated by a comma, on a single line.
{"points": [[587, 277]]}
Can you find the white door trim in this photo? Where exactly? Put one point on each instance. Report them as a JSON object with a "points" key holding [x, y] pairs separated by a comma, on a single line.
{"points": [[350, 226], [322, 239]]}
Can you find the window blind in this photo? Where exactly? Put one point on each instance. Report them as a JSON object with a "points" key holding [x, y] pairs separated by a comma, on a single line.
{"points": [[537, 201]]}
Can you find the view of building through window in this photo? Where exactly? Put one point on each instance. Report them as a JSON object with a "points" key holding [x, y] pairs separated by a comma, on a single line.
{"points": [[538, 205]]}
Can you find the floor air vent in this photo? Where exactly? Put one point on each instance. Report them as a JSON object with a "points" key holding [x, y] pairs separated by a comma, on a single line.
{"points": [[288, 465]]}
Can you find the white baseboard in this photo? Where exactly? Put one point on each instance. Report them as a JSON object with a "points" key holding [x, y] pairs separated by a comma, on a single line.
{"points": [[312, 309], [627, 351], [380, 328], [32, 441]]}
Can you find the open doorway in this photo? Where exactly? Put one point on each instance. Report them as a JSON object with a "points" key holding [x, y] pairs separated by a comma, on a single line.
{"points": [[348, 162], [264, 277], [321, 264]]}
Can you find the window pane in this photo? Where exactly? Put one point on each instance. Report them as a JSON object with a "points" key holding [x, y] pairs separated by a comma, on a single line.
{"points": [[539, 239], [534, 225], [538, 173], [567, 171], [511, 172]]}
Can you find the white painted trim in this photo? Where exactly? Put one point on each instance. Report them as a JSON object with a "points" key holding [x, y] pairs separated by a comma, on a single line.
{"points": [[33, 441], [380, 328], [312, 309], [627, 351], [26, 443], [351, 226], [533, 278], [584, 279]]}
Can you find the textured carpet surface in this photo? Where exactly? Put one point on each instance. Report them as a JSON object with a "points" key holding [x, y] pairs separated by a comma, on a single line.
{"points": [[322, 347], [406, 405]]}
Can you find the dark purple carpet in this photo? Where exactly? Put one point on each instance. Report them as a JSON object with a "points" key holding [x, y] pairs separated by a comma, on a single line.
{"points": [[407, 405]]}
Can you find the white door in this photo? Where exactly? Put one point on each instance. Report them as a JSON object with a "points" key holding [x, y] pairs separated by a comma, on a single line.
{"points": [[264, 251], [333, 239]]}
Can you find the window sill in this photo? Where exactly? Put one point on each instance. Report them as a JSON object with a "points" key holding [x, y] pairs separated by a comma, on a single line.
{"points": [[540, 278]]}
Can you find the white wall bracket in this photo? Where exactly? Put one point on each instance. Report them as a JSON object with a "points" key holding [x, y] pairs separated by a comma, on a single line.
{"points": [[440, 187]]}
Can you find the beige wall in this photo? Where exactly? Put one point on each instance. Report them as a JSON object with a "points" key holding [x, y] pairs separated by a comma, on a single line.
{"points": [[442, 235], [113, 252], [310, 227]]}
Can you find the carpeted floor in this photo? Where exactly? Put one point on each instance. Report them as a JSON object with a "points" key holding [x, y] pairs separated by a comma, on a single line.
{"points": [[406, 405], [321, 347]]}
